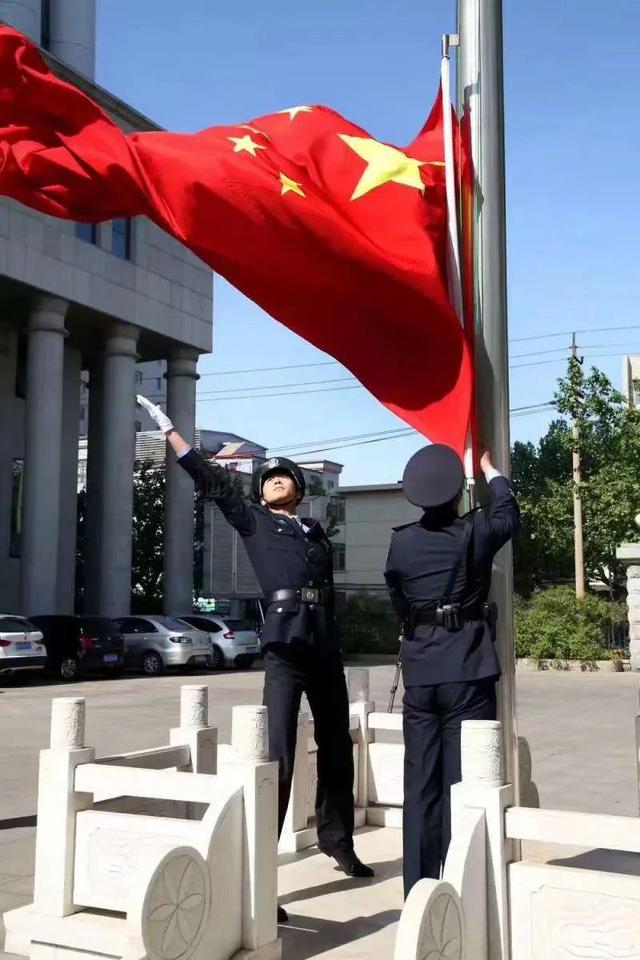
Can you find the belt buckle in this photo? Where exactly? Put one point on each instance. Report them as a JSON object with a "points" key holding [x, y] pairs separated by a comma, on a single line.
{"points": [[310, 595]]}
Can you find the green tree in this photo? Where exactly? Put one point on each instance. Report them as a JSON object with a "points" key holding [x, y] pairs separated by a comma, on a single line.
{"points": [[609, 447], [147, 567]]}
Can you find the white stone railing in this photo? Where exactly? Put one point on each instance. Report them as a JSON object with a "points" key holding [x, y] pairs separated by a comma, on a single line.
{"points": [[164, 882], [494, 904]]}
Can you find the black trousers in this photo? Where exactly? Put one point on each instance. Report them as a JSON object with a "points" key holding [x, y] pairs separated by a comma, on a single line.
{"points": [[290, 671], [431, 724]]}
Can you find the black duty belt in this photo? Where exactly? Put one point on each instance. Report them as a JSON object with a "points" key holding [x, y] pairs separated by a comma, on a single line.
{"points": [[453, 615], [303, 595]]}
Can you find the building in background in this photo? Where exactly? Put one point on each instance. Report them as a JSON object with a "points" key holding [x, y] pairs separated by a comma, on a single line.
{"points": [[631, 377], [370, 514], [88, 303], [150, 380]]}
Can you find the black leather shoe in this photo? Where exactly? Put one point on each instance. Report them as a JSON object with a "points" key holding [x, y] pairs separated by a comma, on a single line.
{"points": [[283, 916], [350, 864]]}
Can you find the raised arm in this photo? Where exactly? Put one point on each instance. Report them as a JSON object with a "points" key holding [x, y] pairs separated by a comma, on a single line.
{"points": [[501, 519], [213, 481]]}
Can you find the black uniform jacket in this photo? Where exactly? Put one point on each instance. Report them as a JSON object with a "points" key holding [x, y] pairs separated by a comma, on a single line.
{"points": [[419, 564], [283, 556]]}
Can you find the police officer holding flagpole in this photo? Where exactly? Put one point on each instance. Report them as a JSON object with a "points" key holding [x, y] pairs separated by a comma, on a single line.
{"points": [[292, 560], [439, 572]]}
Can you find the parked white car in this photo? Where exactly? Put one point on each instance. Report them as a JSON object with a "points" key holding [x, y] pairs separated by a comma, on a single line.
{"points": [[21, 645], [235, 643], [154, 643]]}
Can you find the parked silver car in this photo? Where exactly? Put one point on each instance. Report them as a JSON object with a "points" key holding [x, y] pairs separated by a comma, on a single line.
{"points": [[155, 643], [21, 645], [235, 643]]}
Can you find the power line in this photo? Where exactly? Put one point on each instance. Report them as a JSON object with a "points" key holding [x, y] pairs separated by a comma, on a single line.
{"points": [[396, 434], [328, 363], [267, 396], [276, 386], [355, 436], [568, 333]]}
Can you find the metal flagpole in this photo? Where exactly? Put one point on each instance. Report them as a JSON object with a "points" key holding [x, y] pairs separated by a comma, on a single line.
{"points": [[480, 92]]}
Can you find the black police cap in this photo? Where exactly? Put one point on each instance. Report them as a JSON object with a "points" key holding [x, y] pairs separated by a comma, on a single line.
{"points": [[433, 476], [277, 465]]}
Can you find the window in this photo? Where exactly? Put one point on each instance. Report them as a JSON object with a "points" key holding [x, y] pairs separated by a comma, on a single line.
{"points": [[159, 383], [138, 376], [339, 556], [17, 492], [121, 238], [172, 623], [135, 625], [336, 509], [138, 425], [87, 232], [14, 625], [45, 24]]}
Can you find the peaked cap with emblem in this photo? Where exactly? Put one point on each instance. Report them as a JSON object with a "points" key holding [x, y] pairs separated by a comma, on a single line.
{"points": [[433, 476]]}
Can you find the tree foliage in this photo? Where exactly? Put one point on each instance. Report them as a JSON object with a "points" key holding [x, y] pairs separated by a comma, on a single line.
{"points": [[556, 625], [609, 446]]}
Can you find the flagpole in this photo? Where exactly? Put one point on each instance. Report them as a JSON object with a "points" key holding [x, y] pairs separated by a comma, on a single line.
{"points": [[454, 271], [480, 91]]}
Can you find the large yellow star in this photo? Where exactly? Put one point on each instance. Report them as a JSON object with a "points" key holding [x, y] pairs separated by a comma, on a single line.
{"points": [[289, 185], [245, 143], [385, 164], [294, 111]]}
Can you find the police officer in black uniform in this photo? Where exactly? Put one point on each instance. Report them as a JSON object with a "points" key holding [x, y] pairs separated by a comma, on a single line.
{"points": [[292, 559], [439, 572]]}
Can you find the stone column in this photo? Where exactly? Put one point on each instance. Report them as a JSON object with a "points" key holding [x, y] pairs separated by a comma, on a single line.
{"points": [[629, 553], [117, 456], [94, 489], [179, 525], [69, 480], [43, 440]]}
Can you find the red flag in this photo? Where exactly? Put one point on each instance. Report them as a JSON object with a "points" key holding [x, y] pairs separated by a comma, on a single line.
{"points": [[338, 236]]}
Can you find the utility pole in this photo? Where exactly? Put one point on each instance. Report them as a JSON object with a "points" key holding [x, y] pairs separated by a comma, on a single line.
{"points": [[481, 95], [577, 479]]}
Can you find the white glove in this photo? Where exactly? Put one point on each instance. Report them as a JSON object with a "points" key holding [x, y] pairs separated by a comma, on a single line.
{"points": [[155, 413]]}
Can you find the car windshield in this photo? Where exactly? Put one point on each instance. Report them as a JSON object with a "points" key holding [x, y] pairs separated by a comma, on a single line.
{"points": [[240, 624], [172, 623]]}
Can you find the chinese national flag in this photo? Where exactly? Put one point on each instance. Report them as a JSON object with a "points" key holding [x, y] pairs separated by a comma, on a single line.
{"points": [[338, 236]]}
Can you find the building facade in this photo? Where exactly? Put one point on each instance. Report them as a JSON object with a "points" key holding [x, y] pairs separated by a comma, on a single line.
{"points": [[88, 303], [150, 379], [370, 514]]}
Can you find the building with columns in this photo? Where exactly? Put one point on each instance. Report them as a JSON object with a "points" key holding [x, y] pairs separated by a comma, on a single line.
{"points": [[88, 302]]}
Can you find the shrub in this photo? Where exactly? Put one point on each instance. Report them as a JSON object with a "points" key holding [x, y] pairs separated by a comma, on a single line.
{"points": [[556, 625], [367, 623]]}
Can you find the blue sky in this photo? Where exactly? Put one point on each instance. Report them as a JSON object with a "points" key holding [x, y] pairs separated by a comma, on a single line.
{"points": [[573, 147]]}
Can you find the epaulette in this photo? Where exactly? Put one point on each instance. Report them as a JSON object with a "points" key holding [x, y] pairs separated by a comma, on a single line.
{"points": [[404, 526]]}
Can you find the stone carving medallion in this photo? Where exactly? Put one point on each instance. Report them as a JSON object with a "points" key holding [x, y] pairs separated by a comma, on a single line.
{"points": [[176, 906], [441, 930]]}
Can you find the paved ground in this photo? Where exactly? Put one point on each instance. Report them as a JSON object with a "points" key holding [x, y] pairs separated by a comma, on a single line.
{"points": [[580, 728]]}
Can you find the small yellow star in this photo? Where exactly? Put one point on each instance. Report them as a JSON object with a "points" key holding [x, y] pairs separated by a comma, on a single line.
{"points": [[385, 164], [294, 111], [261, 133], [245, 143], [289, 185]]}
